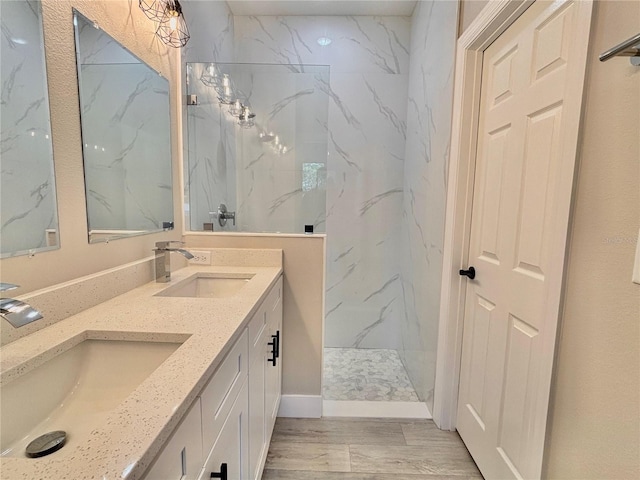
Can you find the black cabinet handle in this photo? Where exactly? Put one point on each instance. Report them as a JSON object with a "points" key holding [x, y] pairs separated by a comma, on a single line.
{"points": [[274, 347], [222, 474], [471, 273], [277, 340]]}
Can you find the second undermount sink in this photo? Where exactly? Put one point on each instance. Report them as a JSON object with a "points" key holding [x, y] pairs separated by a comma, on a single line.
{"points": [[208, 285], [75, 391]]}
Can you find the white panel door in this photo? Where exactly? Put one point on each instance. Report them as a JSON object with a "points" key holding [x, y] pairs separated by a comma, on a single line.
{"points": [[528, 127]]}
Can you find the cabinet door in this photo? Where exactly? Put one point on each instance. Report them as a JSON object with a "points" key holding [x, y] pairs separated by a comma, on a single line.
{"points": [[181, 458], [257, 427], [222, 390], [273, 383], [231, 447]]}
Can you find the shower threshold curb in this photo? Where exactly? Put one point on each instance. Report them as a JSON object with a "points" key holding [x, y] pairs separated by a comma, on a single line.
{"points": [[370, 409]]}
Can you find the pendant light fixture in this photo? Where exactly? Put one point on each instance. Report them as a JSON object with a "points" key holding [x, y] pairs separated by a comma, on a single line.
{"points": [[153, 9], [172, 26]]}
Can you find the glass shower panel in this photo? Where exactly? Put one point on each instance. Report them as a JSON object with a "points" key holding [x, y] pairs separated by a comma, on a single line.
{"points": [[272, 172]]}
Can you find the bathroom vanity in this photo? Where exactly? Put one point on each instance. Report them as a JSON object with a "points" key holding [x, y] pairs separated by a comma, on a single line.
{"points": [[201, 359], [227, 430]]}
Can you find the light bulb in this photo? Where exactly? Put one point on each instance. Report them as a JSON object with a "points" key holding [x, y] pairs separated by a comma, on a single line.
{"points": [[173, 22]]}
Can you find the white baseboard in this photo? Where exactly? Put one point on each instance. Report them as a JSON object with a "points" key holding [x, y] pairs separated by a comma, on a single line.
{"points": [[368, 409], [300, 406]]}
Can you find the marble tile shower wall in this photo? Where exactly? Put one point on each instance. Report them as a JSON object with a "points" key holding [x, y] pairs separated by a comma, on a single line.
{"points": [[426, 161], [210, 149], [369, 65], [282, 190]]}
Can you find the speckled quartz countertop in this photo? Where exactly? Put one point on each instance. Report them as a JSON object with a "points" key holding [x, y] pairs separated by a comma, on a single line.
{"points": [[124, 445]]}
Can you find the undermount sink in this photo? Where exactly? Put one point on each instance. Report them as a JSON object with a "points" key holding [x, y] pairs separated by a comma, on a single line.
{"points": [[75, 391], [208, 285]]}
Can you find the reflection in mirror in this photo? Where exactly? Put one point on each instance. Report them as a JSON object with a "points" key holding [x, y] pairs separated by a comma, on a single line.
{"points": [[29, 217], [126, 137]]}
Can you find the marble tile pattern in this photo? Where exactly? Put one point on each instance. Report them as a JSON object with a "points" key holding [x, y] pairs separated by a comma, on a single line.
{"points": [[126, 442], [365, 374], [366, 132], [430, 95], [211, 146], [208, 134], [366, 449], [27, 193], [278, 190], [125, 130]]}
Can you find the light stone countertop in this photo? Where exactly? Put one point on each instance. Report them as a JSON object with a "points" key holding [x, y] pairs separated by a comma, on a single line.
{"points": [[125, 444]]}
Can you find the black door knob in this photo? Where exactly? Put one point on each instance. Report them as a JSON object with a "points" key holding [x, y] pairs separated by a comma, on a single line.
{"points": [[471, 273]]}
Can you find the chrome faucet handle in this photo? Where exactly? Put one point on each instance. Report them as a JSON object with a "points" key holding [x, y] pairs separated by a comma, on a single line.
{"points": [[8, 286], [18, 313], [163, 245]]}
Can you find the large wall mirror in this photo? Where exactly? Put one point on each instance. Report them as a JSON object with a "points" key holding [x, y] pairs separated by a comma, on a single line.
{"points": [[29, 215], [126, 137]]}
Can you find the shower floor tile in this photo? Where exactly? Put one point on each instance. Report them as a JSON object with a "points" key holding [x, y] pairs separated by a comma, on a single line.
{"points": [[366, 374]]}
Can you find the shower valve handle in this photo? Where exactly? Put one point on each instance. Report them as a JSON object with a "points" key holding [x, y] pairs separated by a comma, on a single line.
{"points": [[223, 215]]}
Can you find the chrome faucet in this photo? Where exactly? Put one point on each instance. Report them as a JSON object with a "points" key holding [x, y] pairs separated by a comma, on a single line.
{"points": [[16, 312], [163, 259]]}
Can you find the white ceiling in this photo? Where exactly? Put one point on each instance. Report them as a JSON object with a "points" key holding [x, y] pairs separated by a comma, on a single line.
{"points": [[326, 7]]}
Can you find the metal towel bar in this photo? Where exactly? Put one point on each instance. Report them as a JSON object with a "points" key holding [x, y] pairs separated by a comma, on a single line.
{"points": [[628, 48]]}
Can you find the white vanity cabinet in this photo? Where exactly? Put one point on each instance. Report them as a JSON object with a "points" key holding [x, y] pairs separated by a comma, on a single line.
{"points": [[273, 387], [265, 377], [228, 428], [181, 458]]}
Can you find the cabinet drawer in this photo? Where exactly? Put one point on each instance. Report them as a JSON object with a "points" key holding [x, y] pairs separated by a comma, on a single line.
{"points": [[181, 457], [220, 393]]}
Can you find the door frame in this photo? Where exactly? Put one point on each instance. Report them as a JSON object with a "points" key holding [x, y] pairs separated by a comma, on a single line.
{"points": [[492, 21]]}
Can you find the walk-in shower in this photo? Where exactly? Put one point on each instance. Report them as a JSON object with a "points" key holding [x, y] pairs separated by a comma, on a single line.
{"points": [[267, 152], [257, 147]]}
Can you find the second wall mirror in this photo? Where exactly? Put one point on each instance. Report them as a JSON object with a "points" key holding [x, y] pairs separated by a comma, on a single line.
{"points": [[28, 207], [126, 137]]}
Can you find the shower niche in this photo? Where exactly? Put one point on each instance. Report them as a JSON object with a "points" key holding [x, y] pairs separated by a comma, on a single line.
{"points": [[256, 147]]}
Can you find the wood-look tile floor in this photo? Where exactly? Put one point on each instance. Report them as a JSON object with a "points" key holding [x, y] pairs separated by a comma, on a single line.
{"points": [[366, 449]]}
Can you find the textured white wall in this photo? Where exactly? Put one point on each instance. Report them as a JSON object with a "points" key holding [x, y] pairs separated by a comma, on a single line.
{"points": [[76, 257], [595, 416], [303, 297], [433, 37], [469, 10]]}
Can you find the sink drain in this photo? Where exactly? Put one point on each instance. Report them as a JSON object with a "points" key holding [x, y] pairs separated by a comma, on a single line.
{"points": [[46, 444]]}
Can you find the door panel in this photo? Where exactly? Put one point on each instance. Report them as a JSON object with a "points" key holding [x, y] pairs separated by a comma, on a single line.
{"points": [[481, 326], [527, 136]]}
